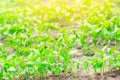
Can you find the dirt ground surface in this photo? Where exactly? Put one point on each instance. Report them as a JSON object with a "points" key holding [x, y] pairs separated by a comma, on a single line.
{"points": [[82, 76]]}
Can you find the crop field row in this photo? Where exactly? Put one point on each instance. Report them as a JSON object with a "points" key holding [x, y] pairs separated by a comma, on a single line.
{"points": [[59, 39]]}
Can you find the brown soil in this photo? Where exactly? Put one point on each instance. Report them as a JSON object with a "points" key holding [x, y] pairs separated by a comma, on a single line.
{"points": [[83, 76]]}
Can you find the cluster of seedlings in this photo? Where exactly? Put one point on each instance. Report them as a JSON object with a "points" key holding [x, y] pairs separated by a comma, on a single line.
{"points": [[41, 38]]}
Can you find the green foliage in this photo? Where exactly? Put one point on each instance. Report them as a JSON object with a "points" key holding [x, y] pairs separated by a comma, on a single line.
{"points": [[40, 37]]}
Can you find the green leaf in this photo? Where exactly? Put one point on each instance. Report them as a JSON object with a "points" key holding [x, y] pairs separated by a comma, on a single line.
{"points": [[11, 69], [73, 52], [1, 74]]}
